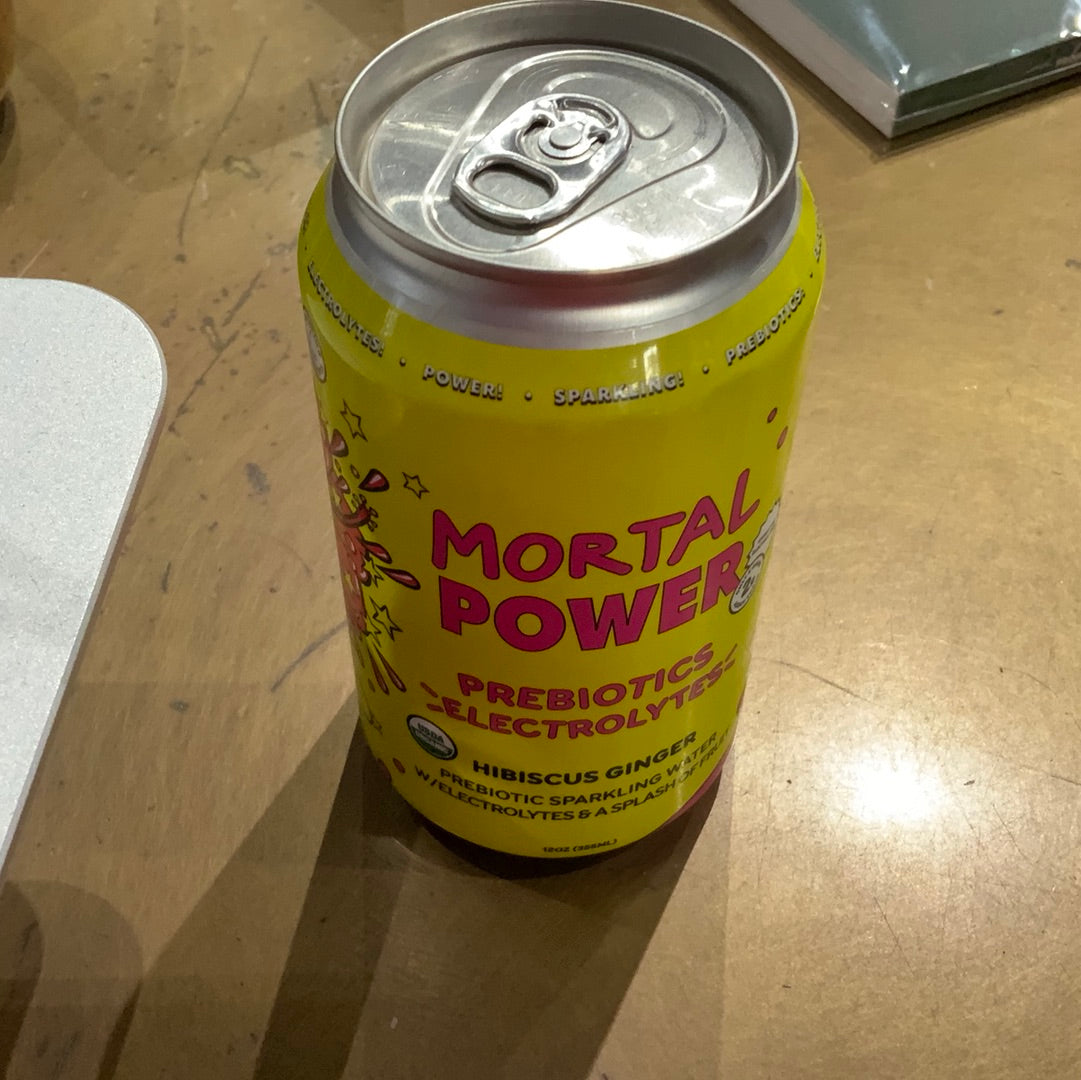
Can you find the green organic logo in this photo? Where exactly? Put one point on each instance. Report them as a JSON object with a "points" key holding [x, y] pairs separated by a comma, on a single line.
{"points": [[432, 738]]}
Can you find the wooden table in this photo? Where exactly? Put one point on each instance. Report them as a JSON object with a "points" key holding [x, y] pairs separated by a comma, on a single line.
{"points": [[210, 879]]}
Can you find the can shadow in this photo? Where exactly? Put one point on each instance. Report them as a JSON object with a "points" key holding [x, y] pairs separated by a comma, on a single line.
{"points": [[365, 857], [202, 1007], [419, 955], [862, 130], [9, 150], [375, 947], [20, 967], [69, 975]]}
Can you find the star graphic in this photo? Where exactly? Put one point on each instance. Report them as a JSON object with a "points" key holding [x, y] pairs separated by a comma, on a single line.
{"points": [[385, 621], [352, 421], [413, 483]]}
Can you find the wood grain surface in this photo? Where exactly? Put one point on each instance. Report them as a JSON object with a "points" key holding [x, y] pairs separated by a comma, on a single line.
{"points": [[212, 881]]}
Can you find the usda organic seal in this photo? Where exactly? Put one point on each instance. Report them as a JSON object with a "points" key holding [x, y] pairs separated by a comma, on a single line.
{"points": [[432, 738]]}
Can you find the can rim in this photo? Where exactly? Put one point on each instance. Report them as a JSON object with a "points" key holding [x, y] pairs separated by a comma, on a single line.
{"points": [[780, 185]]}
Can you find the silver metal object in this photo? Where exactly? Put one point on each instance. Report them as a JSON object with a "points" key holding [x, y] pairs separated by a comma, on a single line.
{"points": [[567, 142], [904, 66], [483, 180]]}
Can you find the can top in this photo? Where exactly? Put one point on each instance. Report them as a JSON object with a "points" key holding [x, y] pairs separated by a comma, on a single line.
{"points": [[566, 137]]}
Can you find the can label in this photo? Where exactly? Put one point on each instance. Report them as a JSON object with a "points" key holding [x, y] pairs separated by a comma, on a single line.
{"points": [[552, 559]]}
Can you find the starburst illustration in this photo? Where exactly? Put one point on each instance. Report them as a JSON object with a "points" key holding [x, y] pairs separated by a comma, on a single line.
{"points": [[382, 618], [352, 422], [413, 483]]}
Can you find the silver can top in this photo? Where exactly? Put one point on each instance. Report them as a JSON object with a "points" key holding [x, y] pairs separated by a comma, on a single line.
{"points": [[579, 138]]}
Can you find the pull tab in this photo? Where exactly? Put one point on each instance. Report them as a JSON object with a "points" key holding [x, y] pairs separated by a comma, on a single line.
{"points": [[568, 143]]}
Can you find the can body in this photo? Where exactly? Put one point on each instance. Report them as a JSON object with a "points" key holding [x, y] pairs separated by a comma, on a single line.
{"points": [[552, 557]]}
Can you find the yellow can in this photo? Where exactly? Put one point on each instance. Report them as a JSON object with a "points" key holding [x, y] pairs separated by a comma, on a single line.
{"points": [[557, 287]]}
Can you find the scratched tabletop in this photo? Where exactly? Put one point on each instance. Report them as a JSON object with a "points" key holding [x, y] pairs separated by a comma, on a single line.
{"points": [[212, 880]]}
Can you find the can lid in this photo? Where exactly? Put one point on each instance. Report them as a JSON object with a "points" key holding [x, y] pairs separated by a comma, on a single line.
{"points": [[568, 136]]}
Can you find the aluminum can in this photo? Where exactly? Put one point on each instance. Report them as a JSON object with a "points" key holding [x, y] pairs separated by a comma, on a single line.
{"points": [[557, 283]]}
